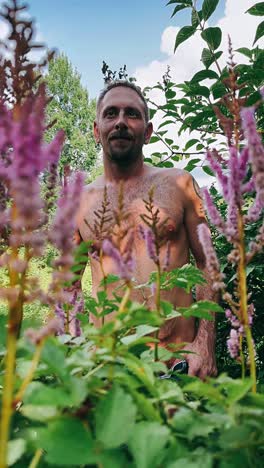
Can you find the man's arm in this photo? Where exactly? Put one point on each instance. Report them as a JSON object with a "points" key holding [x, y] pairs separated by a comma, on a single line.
{"points": [[202, 363]]}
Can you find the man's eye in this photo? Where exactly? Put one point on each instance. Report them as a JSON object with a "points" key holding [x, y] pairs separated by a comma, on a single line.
{"points": [[133, 113], [110, 113]]}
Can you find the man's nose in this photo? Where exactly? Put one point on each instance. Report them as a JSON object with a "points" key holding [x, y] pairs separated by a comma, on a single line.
{"points": [[121, 121]]}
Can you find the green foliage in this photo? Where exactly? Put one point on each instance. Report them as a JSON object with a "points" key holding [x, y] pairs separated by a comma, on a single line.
{"points": [[73, 112], [191, 104]]}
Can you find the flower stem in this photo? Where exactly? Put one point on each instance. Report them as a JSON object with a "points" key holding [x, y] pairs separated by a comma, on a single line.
{"points": [[125, 299], [157, 301], [7, 407], [242, 358], [30, 374], [242, 287], [35, 460]]}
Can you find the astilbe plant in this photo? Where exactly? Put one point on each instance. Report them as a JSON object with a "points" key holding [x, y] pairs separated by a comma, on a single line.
{"points": [[24, 156], [242, 174]]}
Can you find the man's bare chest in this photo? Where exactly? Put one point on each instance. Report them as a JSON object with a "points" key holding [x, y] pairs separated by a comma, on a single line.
{"points": [[102, 207]]}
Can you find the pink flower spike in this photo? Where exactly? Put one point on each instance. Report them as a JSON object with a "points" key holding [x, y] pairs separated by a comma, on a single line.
{"points": [[217, 169], [233, 343], [123, 269], [213, 212], [243, 161]]}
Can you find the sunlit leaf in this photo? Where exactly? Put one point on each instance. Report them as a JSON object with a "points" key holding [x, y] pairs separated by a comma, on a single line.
{"points": [[183, 35], [259, 32], [208, 8], [257, 9], [115, 418], [212, 36]]}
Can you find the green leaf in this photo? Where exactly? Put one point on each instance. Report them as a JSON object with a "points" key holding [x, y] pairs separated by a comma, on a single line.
{"points": [[257, 9], [212, 36], [218, 89], [154, 139], [67, 442], [245, 51], [183, 35], [178, 8], [259, 32], [141, 331], [196, 17], [208, 171], [191, 164], [190, 143], [208, 58], [15, 450], [115, 418], [203, 75], [208, 8], [201, 309], [38, 412], [163, 124], [147, 444]]}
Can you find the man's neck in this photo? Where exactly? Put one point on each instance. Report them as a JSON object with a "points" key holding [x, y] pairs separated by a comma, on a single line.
{"points": [[115, 172]]}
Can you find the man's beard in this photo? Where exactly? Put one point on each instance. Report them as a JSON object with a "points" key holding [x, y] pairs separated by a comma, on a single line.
{"points": [[125, 156]]}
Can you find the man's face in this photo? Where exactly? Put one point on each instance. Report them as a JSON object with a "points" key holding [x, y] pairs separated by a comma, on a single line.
{"points": [[121, 126]]}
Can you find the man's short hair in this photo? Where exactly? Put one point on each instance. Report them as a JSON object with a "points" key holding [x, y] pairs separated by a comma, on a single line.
{"points": [[125, 84]]}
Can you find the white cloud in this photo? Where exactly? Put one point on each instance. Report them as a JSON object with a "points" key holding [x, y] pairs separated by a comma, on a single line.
{"points": [[186, 61]]}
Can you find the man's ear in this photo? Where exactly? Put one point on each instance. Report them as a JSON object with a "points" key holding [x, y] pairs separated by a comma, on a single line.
{"points": [[148, 132], [96, 132]]}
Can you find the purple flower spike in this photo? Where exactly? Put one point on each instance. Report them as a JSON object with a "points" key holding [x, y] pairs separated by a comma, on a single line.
{"points": [[212, 263], [149, 239], [233, 343], [243, 160], [217, 169], [234, 196], [213, 212], [255, 147], [124, 270]]}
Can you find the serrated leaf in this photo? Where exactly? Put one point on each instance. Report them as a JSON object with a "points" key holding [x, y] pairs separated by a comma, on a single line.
{"points": [[183, 35], [259, 32], [147, 444], [257, 9], [212, 36], [208, 8], [67, 442], [15, 450], [163, 124], [201, 309], [116, 408]]}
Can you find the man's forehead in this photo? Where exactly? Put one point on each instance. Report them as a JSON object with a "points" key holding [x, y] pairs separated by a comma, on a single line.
{"points": [[122, 97]]}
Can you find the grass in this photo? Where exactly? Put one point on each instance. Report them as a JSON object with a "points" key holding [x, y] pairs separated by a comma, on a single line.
{"points": [[35, 312]]}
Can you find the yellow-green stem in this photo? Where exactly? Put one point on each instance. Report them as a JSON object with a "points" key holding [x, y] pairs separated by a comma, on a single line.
{"points": [[36, 459], [125, 299], [30, 375], [242, 287], [104, 280], [157, 302], [7, 400], [242, 358]]}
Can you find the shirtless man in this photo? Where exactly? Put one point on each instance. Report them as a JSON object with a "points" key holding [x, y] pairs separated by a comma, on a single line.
{"points": [[122, 127]]}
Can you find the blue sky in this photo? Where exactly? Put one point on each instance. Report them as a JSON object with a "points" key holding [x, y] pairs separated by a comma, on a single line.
{"points": [[116, 31]]}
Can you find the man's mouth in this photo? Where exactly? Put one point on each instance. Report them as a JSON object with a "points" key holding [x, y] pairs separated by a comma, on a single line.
{"points": [[121, 137]]}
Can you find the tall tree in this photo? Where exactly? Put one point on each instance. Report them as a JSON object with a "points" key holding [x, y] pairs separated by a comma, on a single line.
{"points": [[73, 112]]}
